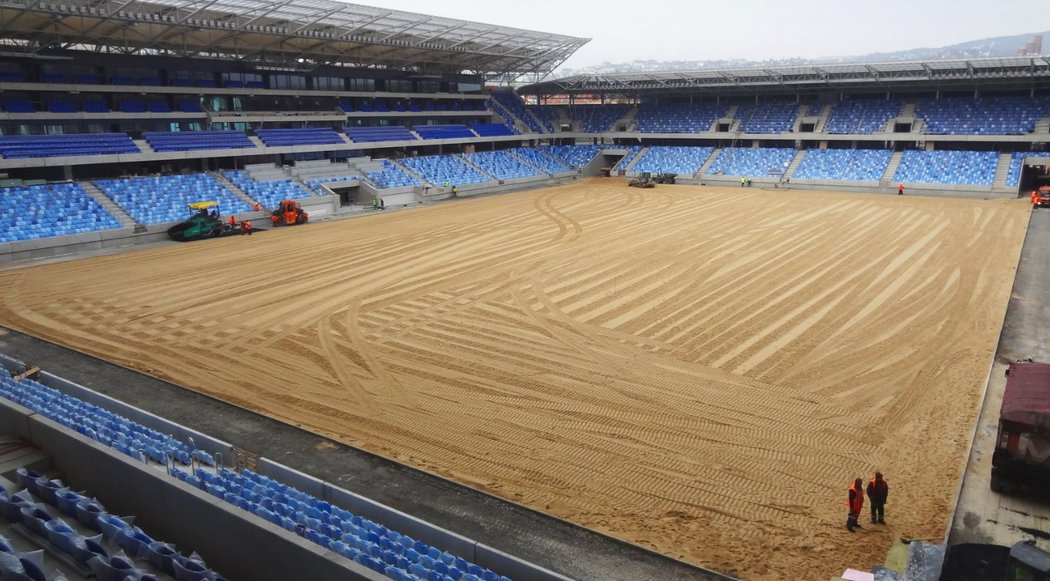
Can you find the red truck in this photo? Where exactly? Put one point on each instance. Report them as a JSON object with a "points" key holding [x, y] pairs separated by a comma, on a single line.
{"points": [[1041, 197], [1022, 451]]}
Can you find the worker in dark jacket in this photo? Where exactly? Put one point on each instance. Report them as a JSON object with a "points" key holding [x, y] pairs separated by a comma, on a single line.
{"points": [[878, 491], [855, 502]]}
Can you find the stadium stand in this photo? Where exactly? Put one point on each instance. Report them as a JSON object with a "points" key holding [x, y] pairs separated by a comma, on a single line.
{"points": [[61, 106], [536, 157], [574, 156], [985, 116], [361, 540], [597, 118], [305, 136], [441, 169], [679, 160], [95, 106], [548, 116], [155, 200], [768, 118], [492, 129], [680, 118], [632, 151], [376, 134], [158, 107], [19, 106], [392, 176], [502, 165], [196, 140], [1013, 175], [443, 131], [316, 184], [751, 161], [12, 77], [947, 167], [862, 116], [516, 107], [844, 164], [44, 211], [23, 146], [269, 193]]}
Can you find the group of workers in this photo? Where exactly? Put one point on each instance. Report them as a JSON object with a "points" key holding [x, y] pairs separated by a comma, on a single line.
{"points": [[878, 491], [246, 225]]}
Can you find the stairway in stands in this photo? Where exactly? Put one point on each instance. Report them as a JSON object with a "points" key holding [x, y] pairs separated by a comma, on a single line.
{"points": [[1001, 171], [641, 153], [477, 168], [110, 206], [707, 164], [795, 162], [233, 188], [891, 168]]}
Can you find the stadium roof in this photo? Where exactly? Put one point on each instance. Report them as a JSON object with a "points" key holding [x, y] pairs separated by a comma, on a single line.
{"points": [[850, 75], [302, 33]]}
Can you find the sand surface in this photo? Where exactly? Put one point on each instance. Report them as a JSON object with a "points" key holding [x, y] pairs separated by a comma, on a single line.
{"points": [[695, 370]]}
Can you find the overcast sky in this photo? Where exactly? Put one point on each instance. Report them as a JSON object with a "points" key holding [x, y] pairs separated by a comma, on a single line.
{"points": [[623, 31]]}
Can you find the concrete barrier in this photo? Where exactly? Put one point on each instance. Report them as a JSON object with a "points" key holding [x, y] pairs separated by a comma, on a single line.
{"points": [[232, 541]]}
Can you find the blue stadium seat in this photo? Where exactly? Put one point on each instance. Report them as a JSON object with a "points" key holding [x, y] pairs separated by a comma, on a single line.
{"points": [[196, 140], [862, 116], [376, 134], [441, 169], [751, 161], [392, 176], [681, 118], [947, 167], [679, 160], [268, 193], [502, 165], [305, 136], [844, 164], [160, 199], [45, 211]]}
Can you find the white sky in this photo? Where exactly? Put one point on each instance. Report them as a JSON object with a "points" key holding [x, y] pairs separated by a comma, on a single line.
{"points": [[623, 31]]}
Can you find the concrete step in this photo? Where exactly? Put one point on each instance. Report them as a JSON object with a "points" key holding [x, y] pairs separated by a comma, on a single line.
{"points": [[641, 153], [143, 145], [110, 206], [707, 164], [409, 171], [795, 162], [1001, 171], [477, 167], [233, 188], [891, 168]]}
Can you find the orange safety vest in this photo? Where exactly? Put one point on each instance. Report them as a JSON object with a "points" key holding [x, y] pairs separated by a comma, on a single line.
{"points": [[858, 499], [247, 224], [232, 221]]}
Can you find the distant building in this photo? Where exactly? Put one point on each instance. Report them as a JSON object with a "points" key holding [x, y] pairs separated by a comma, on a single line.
{"points": [[1033, 47]]}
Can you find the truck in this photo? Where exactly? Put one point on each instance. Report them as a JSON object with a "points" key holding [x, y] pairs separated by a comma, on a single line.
{"points": [[1041, 197], [1022, 450]]}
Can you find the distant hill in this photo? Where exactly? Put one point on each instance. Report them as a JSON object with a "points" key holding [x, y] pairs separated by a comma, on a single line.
{"points": [[986, 47]]}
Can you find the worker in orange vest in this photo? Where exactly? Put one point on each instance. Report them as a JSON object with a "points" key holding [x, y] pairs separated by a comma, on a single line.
{"points": [[233, 220], [878, 491], [249, 227], [855, 502], [256, 207], [900, 189]]}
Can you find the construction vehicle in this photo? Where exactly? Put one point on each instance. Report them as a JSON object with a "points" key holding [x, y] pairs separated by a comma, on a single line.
{"points": [[1041, 197], [643, 180], [665, 178], [1022, 449], [289, 212], [204, 222], [1027, 562]]}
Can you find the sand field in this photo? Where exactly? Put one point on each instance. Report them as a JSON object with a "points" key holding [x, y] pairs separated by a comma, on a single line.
{"points": [[696, 370]]}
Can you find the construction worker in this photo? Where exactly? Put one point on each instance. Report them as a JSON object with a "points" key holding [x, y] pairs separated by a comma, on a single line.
{"points": [[248, 226], [878, 491], [855, 502], [256, 207], [453, 191], [232, 220], [900, 189], [375, 203], [742, 180]]}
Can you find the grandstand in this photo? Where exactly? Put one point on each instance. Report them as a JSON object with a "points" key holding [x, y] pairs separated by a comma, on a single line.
{"points": [[106, 138]]}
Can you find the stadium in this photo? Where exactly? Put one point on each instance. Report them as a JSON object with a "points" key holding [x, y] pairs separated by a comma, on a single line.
{"points": [[438, 333]]}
